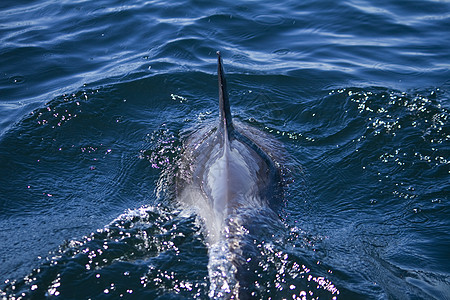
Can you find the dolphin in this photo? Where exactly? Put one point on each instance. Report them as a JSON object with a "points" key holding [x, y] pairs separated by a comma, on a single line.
{"points": [[229, 176]]}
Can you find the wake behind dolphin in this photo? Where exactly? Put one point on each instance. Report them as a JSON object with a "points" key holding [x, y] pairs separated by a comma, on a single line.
{"points": [[231, 180]]}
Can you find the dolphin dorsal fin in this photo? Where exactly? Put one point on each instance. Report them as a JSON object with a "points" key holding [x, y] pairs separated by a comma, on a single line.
{"points": [[224, 102]]}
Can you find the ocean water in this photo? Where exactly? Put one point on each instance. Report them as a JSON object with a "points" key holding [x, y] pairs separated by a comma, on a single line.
{"points": [[97, 97]]}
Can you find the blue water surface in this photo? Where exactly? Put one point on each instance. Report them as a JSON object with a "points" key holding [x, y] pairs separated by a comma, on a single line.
{"points": [[96, 98]]}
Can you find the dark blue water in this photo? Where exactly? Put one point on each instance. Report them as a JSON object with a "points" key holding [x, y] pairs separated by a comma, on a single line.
{"points": [[95, 101]]}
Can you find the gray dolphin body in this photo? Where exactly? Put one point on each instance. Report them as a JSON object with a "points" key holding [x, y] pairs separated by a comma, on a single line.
{"points": [[229, 177]]}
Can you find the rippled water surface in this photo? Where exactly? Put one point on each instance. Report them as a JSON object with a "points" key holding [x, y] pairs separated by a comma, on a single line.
{"points": [[97, 97]]}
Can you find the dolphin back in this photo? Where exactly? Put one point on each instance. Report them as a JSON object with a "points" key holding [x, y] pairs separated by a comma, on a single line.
{"points": [[227, 174]]}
